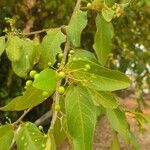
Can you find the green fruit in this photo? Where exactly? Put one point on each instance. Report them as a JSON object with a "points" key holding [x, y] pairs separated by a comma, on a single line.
{"points": [[61, 90], [32, 73], [72, 52], [57, 107], [89, 5], [59, 64], [60, 55], [41, 128], [69, 55], [74, 59], [61, 74], [85, 69], [45, 93], [49, 64], [87, 66], [36, 76], [28, 83]]}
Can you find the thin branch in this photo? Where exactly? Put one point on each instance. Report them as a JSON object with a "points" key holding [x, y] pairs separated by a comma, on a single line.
{"points": [[43, 119], [66, 50], [40, 31], [22, 116], [34, 32]]}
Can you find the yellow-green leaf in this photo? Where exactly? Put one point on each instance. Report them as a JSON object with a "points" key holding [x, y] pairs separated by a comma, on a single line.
{"points": [[51, 47], [31, 97], [103, 37], [77, 24], [106, 99], [46, 80], [14, 48], [28, 137], [2, 44], [81, 117], [6, 137], [98, 77]]}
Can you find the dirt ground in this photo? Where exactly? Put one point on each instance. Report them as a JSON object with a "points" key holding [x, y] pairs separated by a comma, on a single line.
{"points": [[103, 133]]}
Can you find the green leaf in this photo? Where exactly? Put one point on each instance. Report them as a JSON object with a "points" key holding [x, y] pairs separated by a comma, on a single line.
{"points": [[134, 141], [142, 118], [2, 44], [46, 80], [81, 117], [84, 54], [31, 98], [28, 137], [103, 37], [51, 47], [119, 122], [98, 77], [106, 99], [30, 56], [6, 136], [77, 24], [115, 143], [59, 133], [108, 14], [110, 3], [50, 144], [14, 48]]}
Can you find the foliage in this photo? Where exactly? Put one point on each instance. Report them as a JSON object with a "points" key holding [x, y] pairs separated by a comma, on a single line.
{"points": [[77, 80]]}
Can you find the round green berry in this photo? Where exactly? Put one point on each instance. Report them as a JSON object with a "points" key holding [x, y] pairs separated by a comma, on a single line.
{"points": [[61, 90], [87, 66], [89, 5], [28, 83], [36, 76], [57, 107], [85, 69], [60, 55], [69, 55], [41, 128], [74, 59], [58, 64], [49, 64], [72, 52], [45, 93], [32, 73], [61, 74]]}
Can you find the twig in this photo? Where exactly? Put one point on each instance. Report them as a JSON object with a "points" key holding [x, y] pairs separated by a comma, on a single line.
{"points": [[43, 119], [21, 118], [34, 32], [66, 49], [39, 31]]}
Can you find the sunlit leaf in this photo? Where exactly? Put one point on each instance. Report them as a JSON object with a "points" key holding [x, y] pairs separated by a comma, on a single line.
{"points": [[14, 48], [81, 117], [30, 56], [119, 122], [83, 54], [103, 37], [51, 47], [6, 136], [106, 99], [46, 80], [108, 14], [50, 144], [31, 97], [115, 142], [98, 77], [77, 24], [2, 44], [28, 137]]}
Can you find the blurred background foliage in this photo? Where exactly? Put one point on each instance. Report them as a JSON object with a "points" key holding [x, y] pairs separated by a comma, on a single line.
{"points": [[130, 48]]}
